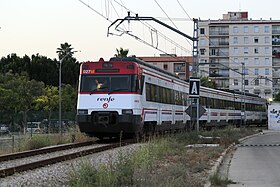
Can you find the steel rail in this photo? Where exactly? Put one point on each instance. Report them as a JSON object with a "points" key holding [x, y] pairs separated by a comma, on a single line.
{"points": [[44, 150], [37, 164]]}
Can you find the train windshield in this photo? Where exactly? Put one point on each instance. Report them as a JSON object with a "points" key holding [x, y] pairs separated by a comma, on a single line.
{"points": [[108, 83]]}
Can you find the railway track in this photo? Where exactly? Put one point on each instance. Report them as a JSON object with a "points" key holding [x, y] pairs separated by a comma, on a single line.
{"points": [[4, 172]]}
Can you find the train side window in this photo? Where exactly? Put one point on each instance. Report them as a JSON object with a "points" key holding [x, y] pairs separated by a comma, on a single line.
{"points": [[176, 97], [164, 95], [157, 93], [148, 92], [169, 96], [142, 80], [180, 98], [161, 94], [153, 93], [172, 97]]}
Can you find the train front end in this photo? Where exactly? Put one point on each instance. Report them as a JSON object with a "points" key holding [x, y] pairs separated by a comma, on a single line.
{"points": [[109, 98]]}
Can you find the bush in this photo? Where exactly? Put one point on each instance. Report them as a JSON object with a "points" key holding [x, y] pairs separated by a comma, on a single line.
{"points": [[216, 180]]}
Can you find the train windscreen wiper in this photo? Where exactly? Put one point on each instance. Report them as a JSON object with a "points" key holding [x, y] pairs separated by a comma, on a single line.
{"points": [[94, 90], [117, 89]]}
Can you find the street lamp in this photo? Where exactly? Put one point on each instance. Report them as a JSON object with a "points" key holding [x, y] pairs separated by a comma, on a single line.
{"points": [[60, 62]]}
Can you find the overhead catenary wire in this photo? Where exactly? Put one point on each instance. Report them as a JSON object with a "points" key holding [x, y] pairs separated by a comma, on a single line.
{"points": [[169, 18], [152, 28], [146, 24], [184, 10]]}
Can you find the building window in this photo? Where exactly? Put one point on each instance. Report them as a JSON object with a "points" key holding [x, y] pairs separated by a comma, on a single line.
{"points": [[246, 72], [266, 39], [256, 50], [246, 82], [180, 67], [246, 60], [235, 29], [256, 29], [257, 82], [266, 82], [266, 50], [235, 82], [202, 41], [165, 66], [202, 51], [256, 71], [235, 51], [266, 71], [266, 61], [235, 40], [246, 50], [246, 30], [213, 52], [256, 40], [256, 60], [246, 40], [235, 60], [266, 28], [202, 31]]}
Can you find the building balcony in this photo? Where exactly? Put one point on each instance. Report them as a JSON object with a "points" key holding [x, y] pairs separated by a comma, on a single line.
{"points": [[219, 54], [275, 54], [218, 33], [213, 44], [275, 31]]}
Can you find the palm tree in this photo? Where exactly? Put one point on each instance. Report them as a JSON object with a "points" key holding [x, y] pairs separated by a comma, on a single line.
{"points": [[64, 50], [122, 53]]}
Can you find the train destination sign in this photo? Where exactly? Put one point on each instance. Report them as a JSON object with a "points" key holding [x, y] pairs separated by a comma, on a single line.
{"points": [[194, 87]]}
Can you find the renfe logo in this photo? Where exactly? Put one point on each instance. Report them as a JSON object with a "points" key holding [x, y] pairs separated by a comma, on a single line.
{"points": [[105, 99]]}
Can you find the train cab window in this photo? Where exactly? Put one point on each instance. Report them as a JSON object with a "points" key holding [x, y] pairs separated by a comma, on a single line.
{"points": [[94, 83], [121, 83], [108, 83]]}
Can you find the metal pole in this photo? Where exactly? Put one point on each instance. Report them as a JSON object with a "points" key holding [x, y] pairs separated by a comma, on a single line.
{"points": [[195, 67], [243, 114], [60, 63], [59, 118]]}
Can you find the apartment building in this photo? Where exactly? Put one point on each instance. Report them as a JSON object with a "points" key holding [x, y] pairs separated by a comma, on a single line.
{"points": [[178, 65], [225, 44]]}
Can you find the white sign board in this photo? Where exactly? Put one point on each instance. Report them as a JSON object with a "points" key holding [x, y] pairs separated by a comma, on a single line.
{"points": [[194, 87], [274, 116]]}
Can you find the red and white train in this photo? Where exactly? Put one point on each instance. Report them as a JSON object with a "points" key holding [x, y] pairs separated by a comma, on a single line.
{"points": [[130, 97]]}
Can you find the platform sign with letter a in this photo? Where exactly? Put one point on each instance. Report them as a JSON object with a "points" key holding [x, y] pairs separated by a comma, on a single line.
{"points": [[194, 87]]}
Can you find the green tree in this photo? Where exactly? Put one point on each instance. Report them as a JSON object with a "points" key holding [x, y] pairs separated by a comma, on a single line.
{"points": [[48, 101], [69, 98], [29, 90], [121, 52], [17, 94], [8, 98], [205, 81], [70, 66], [43, 69], [277, 97]]}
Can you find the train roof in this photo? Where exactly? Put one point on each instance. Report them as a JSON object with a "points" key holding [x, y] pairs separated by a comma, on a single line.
{"points": [[139, 61]]}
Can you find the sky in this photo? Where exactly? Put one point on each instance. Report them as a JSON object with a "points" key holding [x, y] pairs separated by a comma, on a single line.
{"points": [[39, 26]]}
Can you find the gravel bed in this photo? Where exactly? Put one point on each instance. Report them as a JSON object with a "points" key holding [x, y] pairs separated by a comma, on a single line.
{"points": [[58, 174], [20, 161]]}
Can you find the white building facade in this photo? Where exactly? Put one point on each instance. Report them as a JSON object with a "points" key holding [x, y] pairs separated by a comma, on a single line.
{"points": [[226, 44]]}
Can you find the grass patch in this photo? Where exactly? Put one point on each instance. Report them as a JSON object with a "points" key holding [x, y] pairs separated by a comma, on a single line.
{"points": [[163, 161], [216, 180], [36, 141]]}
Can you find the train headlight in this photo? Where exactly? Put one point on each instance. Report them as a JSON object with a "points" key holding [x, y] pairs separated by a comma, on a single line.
{"points": [[82, 111], [127, 111]]}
